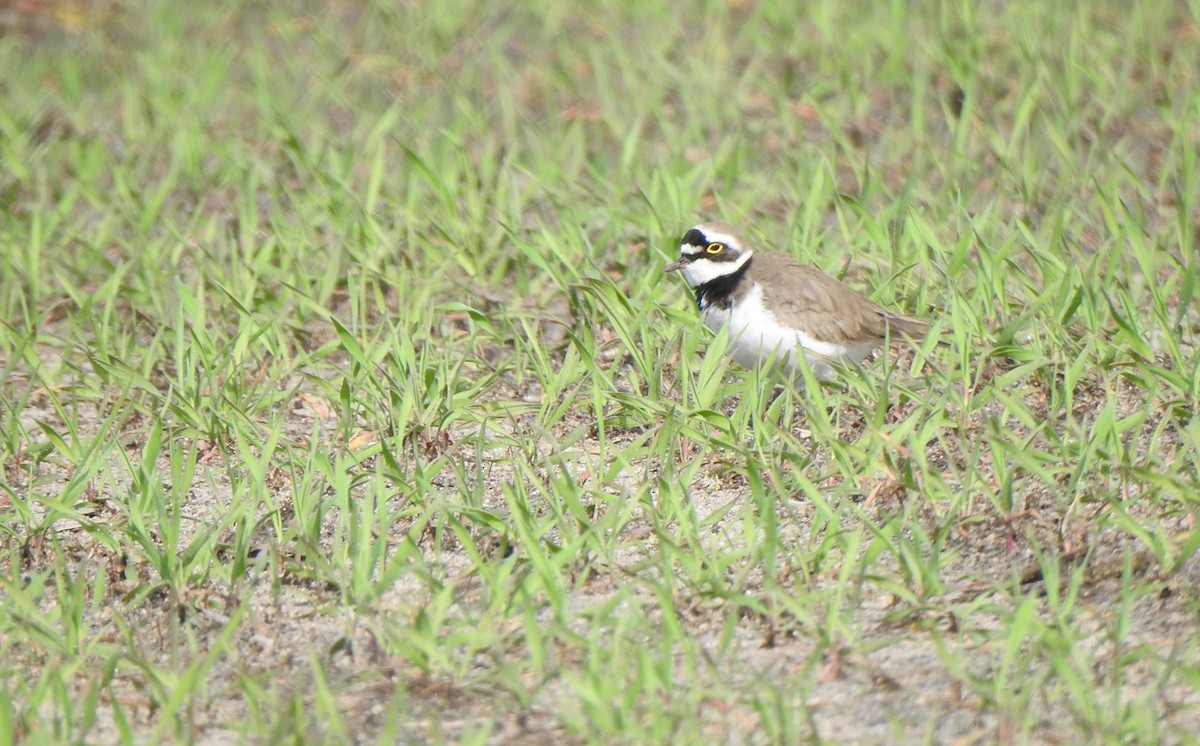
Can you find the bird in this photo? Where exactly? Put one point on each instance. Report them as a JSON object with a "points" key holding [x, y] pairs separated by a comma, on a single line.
{"points": [[779, 310]]}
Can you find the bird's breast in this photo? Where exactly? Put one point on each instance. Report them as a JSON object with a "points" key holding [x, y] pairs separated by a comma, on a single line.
{"points": [[756, 333]]}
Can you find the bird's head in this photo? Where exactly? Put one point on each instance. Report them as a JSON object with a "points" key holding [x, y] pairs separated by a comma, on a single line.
{"points": [[709, 252]]}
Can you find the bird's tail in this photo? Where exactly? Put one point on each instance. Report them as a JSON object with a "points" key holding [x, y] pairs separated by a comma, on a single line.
{"points": [[904, 326]]}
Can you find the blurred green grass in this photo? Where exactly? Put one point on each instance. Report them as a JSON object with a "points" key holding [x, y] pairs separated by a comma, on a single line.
{"points": [[342, 396]]}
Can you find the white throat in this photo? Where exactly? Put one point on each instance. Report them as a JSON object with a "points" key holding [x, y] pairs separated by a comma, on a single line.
{"points": [[705, 270]]}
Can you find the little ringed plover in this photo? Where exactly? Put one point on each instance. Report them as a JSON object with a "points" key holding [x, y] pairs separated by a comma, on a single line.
{"points": [[776, 307]]}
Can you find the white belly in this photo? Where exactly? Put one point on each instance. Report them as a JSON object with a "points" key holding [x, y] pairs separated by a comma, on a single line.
{"points": [[755, 335]]}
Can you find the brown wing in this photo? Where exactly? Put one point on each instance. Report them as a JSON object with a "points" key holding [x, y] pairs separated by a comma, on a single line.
{"points": [[807, 298]]}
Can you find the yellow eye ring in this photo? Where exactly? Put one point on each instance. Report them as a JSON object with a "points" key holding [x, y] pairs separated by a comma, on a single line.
{"points": [[714, 248]]}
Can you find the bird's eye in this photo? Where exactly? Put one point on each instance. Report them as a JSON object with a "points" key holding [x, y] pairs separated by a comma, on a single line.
{"points": [[715, 248]]}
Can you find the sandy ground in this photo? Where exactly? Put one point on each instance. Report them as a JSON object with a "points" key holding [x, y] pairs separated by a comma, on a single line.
{"points": [[894, 686]]}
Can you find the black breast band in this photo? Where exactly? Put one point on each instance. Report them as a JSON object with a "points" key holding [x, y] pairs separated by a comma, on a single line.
{"points": [[719, 290]]}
